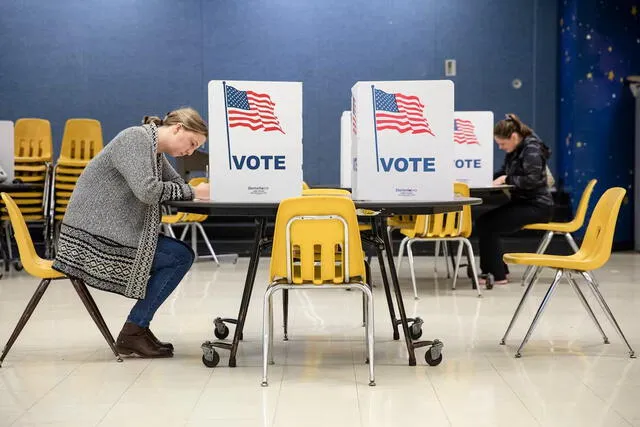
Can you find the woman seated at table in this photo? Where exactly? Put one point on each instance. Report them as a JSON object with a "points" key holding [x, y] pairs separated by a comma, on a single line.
{"points": [[525, 168], [109, 234]]}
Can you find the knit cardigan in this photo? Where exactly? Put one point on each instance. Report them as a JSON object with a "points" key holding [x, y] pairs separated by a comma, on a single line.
{"points": [[109, 232]]}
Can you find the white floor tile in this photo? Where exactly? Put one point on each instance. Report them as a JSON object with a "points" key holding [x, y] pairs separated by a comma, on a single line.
{"points": [[61, 374]]}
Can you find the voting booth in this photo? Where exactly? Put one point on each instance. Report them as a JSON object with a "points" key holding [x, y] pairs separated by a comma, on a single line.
{"points": [[401, 140], [345, 149], [473, 148], [255, 140], [6, 151]]}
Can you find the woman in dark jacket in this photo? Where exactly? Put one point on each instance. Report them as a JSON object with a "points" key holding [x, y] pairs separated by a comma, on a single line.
{"points": [[525, 167]]}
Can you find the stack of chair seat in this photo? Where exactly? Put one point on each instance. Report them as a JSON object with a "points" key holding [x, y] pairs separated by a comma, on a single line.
{"points": [[81, 142], [33, 149]]}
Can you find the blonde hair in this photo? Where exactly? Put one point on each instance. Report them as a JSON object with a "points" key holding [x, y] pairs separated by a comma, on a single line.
{"points": [[510, 124], [188, 117]]}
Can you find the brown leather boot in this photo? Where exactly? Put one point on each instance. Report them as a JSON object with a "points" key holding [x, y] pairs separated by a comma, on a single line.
{"points": [[158, 342], [134, 339]]}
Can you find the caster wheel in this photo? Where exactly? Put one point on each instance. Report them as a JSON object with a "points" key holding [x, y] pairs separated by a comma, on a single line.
{"points": [[18, 266], [428, 357], [415, 331], [213, 362], [221, 331]]}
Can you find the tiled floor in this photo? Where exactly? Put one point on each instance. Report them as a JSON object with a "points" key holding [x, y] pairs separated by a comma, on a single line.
{"points": [[61, 372]]}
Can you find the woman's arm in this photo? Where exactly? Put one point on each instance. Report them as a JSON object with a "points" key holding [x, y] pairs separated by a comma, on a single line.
{"points": [[533, 165]]}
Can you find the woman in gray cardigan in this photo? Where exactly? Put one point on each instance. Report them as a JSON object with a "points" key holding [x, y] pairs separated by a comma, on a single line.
{"points": [[109, 237]]}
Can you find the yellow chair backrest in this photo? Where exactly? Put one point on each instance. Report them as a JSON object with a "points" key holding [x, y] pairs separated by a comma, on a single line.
{"points": [[323, 230], [82, 139], [596, 246], [462, 190], [402, 221], [326, 192], [583, 205], [191, 217], [32, 138], [32, 263], [451, 224]]}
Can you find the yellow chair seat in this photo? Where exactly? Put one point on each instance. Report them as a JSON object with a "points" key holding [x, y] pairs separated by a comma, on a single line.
{"points": [[558, 227], [69, 170], [27, 179], [27, 218], [22, 202], [22, 159], [63, 161], [24, 210], [38, 168], [66, 178], [65, 186], [172, 219], [576, 261], [26, 194]]}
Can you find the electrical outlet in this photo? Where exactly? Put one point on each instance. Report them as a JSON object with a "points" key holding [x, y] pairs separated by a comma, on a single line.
{"points": [[449, 67]]}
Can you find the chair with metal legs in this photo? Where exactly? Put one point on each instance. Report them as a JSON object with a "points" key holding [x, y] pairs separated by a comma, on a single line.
{"points": [[449, 227], [562, 228], [316, 245], [41, 268], [592, 254]]}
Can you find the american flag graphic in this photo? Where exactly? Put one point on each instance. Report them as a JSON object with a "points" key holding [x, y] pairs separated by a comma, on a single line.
{"points": [[403, 113], [251, 109], [464, 132], [354, 121]]}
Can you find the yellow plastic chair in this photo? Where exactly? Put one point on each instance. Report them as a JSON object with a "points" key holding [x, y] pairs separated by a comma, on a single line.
{"points": [[325, 225], [81, 142], [563, 228], [592, 254], [449, 227], [305, 186], [32, 141], [41, 268]]}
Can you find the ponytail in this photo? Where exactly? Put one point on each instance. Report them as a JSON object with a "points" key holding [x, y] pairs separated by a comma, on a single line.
{"points": [[152, 119], [510, 124]]}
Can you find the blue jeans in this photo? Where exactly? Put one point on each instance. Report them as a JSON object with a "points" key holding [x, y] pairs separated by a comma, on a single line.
{"points": [[171, 262]]}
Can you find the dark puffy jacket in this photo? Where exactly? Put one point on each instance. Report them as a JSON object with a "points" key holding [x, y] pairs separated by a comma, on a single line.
{"points": [[525, 168]]}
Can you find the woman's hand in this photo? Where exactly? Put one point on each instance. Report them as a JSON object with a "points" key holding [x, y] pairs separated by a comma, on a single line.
{"points": [[501, 180], [201, 191]]}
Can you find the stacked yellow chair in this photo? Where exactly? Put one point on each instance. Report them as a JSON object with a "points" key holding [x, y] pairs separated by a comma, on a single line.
{"points": [[41, 268], [323, 231], [452, 226], [192, 222], [32, 155], [81, 142], [592, 254]]}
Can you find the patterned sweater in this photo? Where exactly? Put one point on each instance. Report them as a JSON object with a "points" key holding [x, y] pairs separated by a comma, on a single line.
{"points": [[110, 229]]}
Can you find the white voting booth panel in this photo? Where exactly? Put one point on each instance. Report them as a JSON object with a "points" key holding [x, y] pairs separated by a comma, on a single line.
{"points": [[255, 140], [473, 147], [6, 151], [401, 140], [345, 149]]}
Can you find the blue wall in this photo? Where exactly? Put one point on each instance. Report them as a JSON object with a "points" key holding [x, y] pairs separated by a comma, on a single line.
{"points": [[600, 46], [118, 60]]}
